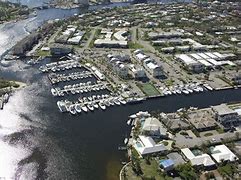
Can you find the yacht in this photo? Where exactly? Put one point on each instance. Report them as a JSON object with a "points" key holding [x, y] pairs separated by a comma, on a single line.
{"points": [[54, 92], [72, 109], [95, 105], [116, 101], [90, 106], [84, 108], [107, 103], [208, 87], [61, 106], [78, 108], [122, 101], [102, 105]]}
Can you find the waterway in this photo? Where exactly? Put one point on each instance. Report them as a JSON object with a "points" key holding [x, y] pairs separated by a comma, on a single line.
{"points": [[39, 142]]}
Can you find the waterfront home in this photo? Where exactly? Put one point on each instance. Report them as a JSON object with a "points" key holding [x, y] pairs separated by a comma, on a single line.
{"points": [[198, 159], [146, 145], [153, 127], [202, 119], [225, 115], [222, 153], [174, 122]]}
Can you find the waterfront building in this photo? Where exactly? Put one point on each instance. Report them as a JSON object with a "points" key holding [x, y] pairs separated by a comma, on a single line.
{"points": [[145, 145], [153, 127], [174, 122], [225, 115], [202, 119]]}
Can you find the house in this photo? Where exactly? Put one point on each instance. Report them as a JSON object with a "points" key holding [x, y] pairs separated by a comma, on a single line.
{"points": [[225, 115], [153, 127], [176, 158], [222, 153], [174, 122], [145, 145], [198, 160], [202, 120], [166, 164]]}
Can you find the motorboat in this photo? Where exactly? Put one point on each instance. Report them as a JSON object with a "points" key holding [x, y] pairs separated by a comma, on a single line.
{"points": [[84, 108], [116, 101], [78, 108], [72, 109], [122, 101], [208, 87], [54, 92], [102, 106], [61, 106], [95, 105], [90, 106]]}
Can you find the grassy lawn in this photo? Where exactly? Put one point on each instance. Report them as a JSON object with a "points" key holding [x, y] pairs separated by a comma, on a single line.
{"points": [[43, 53], [133, 45], [208, 134], [148, 89], [149, 171]]}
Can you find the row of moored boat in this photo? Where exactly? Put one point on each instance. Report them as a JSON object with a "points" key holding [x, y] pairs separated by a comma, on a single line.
{"points": [[79, 88], [90, 103], [186, 89], [56, 78]]}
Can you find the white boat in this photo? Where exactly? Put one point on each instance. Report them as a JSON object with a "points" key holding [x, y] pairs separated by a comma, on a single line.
{"points": [[129, 122], [84, 108], [61, 106], [126, 140], [122, 101], [95, 105], [185, 91], [72, 109], [107, 103], [111, 102], [116, 101], [102, 106], [78, 108], [208, 87], [90, 107], [90, 98], [54, 92]]}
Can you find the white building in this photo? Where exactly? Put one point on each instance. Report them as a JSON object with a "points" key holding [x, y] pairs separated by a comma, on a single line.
{"points": [[190, 63], [146, 145], [153, 127], [200, 160], [155, 69], [222, 153]]}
